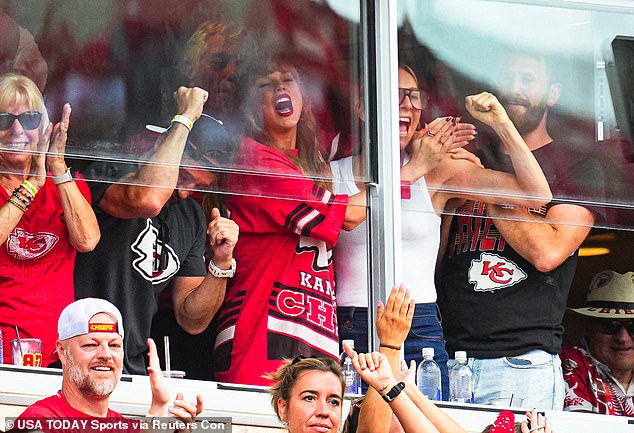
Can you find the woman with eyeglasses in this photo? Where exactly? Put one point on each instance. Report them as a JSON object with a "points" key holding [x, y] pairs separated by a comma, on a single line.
{"points": [[45, 217], [434, 170], [282, 301]]}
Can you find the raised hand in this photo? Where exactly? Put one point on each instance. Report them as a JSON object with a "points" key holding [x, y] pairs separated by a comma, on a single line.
{"points": [[182, 410], [373, 368], [55, 163], [223, 236], [486, 108], [427, 148], [160, 393], [190, 101], [394, 320], [407, 374], [186, 411]]}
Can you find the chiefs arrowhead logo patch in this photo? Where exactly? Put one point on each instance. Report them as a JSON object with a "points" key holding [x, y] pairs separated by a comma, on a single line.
{"points": [[22, 245], [493, 272]]}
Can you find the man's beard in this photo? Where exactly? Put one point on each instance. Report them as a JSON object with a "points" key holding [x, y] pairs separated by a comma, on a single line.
{"points": [[83, 381], [529, 120]]}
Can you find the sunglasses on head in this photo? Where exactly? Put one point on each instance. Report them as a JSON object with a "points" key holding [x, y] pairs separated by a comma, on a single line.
{"points": [[613, 327], [29, 120], [301, 358]]}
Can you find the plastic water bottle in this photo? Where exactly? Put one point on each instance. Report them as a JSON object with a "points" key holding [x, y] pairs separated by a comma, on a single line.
{"points": [[353, 380], [428, 376], [461, 380]]}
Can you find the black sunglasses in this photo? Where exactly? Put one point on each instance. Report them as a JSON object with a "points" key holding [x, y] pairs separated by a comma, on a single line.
{"points": [[29, 120], [613, 327], [417, 97]]}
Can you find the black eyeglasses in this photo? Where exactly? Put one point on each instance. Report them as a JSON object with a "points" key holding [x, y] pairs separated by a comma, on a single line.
{"points": [[613, 327], [417, 97], [29, 120]]}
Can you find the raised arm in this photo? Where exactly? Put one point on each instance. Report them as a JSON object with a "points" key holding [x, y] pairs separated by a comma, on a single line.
{"points": [[392, 324], [432, 144], [527, 186], [183, 410], [197, 299], [375, 369], [80, 219], [143, 194]]}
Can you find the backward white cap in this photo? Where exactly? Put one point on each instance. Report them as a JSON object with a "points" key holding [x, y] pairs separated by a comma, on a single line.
{"points": [[75, 318]]}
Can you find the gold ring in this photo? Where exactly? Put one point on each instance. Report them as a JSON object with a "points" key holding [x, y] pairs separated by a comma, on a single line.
{"points": [[431, 134]]}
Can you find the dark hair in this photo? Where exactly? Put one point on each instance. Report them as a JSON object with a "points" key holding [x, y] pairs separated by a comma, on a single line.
{"points": [[288, 373]]}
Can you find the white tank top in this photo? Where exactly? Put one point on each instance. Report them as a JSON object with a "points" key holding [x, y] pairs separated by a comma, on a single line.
{"points": [[420, 231]]}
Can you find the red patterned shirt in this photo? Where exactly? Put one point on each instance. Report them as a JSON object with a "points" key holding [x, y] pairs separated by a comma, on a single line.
{"points": [[591, 387]]}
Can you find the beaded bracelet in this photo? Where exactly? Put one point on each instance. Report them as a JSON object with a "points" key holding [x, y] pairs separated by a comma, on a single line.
{"points": [[21, 197]]}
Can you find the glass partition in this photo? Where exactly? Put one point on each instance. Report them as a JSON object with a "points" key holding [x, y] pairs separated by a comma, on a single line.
{"points": [[119, 62], [467, 47]]}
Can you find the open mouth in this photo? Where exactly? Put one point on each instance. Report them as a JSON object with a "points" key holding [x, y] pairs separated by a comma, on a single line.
{"points": [[404, 124], [283, 105], [102, 368], [18, 146]]}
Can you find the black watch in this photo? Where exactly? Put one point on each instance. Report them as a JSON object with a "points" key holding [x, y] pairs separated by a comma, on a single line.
{"points": [[394, 392]]}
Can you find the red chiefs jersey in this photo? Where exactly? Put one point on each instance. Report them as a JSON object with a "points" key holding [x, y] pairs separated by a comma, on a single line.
{"points": [[281, 303], [36, 271]]}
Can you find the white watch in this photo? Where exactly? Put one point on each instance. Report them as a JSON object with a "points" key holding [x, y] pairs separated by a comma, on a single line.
{"points": [[62, 178], [222, 273]]}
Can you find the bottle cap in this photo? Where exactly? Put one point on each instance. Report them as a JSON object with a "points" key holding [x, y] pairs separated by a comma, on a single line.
{"points": [[461, 355], [350, 343], [428, 352]]}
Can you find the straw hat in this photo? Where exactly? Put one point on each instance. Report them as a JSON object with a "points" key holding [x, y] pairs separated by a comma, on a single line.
{"points": [[610, 296]]}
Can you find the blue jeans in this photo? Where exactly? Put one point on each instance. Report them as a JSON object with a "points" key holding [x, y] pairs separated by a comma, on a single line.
{"points": [[426, 331], [536, 377]]}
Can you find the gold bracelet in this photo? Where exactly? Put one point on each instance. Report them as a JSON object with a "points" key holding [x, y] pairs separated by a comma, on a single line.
{"points": [[17, 203]]}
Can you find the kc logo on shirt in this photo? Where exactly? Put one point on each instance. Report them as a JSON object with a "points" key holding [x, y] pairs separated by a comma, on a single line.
{"points": [[23, 245], [493, 272]]}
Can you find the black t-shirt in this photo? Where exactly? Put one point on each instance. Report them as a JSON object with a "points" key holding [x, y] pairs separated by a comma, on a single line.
{"points": [[125, 266], [494, 303]]}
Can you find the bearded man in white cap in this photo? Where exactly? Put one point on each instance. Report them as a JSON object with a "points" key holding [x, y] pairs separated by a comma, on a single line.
{"points": [[90, 347], [600, 375]]}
